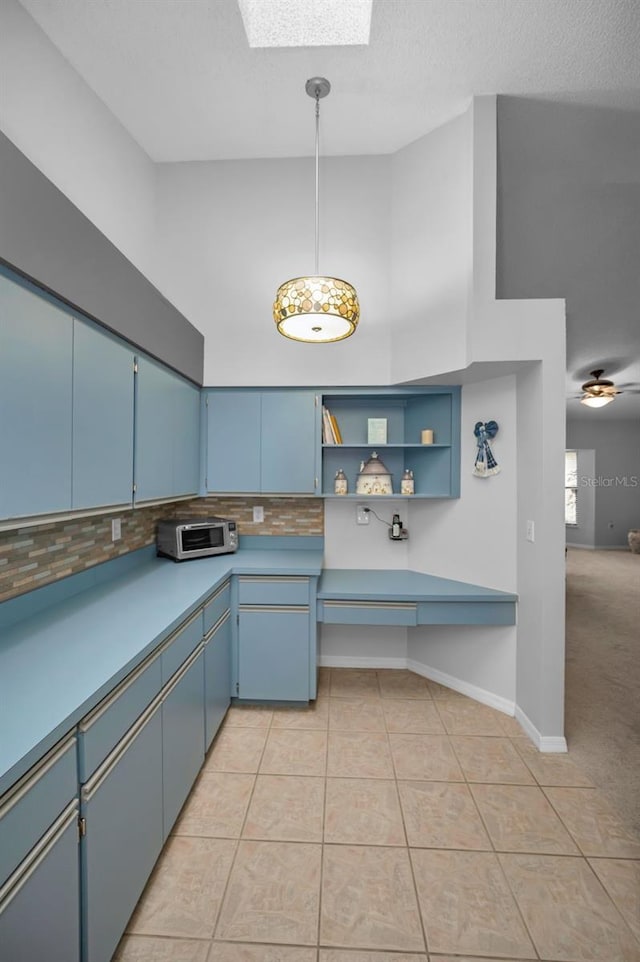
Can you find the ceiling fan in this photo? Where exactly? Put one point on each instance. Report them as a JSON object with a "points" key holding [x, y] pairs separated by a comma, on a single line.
{"points": [[598, 391]]}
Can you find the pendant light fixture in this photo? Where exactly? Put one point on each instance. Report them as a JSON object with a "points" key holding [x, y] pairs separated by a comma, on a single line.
{"points": [[316, 309]]}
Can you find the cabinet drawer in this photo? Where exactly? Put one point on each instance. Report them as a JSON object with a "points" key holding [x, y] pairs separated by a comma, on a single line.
{"points": [[367, 613], [180, 645], [28, 809], [101, 730], [216, 606], [273, 591]]}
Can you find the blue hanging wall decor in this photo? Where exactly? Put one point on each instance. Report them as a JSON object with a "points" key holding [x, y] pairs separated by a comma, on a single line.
{"points": [[485, 464]]}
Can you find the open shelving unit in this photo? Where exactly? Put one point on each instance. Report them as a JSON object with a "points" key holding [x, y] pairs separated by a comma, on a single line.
{"points": [[408, 411]]}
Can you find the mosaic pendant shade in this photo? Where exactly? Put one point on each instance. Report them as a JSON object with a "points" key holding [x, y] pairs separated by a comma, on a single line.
{"points": [[316, 308]]}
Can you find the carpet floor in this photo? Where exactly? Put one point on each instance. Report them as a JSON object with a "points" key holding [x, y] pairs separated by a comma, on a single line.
{"points": [[602, 705]]}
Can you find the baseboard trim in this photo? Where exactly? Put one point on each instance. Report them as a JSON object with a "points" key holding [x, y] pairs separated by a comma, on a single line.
{"points": [[544, 743], [599, 547], [464, 687], [350, 661]]}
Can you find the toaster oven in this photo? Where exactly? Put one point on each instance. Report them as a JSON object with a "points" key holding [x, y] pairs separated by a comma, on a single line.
{"points": [[184, 538]]}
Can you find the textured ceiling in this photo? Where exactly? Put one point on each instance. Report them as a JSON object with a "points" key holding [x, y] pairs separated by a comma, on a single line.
{"points": [[181, 78]]}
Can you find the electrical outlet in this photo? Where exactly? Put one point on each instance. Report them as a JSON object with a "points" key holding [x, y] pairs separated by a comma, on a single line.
{"points": [[116, 529], [362, 514], [531, 531], [258, 514]]}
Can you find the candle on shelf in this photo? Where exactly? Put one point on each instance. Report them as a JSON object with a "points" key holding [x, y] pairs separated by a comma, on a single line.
{"points": [[427, 436]]}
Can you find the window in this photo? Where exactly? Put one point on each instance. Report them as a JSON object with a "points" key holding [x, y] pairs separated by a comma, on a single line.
{"points": [[570, 487]]}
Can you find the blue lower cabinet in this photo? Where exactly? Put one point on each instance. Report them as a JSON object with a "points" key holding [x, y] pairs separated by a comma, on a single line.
{"points": [[217, 676], [40, 903], [182, 736], [122, 808], [274, 653]]}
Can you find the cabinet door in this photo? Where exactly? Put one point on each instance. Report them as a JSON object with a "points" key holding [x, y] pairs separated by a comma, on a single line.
{"points": [[102, 419], [167, 433], [182, 737], [217, 677], [186, 437], [40, 911], [288, 461], [233, 441], [122, 805], [273, 653], [35, 403], [154, 433]]}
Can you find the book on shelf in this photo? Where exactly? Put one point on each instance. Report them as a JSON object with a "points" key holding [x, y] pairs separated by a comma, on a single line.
{"points": [[330, 430]]}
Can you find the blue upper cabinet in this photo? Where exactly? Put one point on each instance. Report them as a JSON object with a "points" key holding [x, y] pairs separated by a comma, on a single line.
{"points": [[102, 419], [262, 441], [233, 441], [288, 442], [186, 437], [166, 433], [36, 351]]}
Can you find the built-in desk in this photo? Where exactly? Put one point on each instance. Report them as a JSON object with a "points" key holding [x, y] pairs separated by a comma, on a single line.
{"points": [[407, 598]]}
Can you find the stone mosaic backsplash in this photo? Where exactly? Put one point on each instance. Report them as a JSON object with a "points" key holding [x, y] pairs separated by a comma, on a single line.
{"points": [[31, 557], [284, 516]]}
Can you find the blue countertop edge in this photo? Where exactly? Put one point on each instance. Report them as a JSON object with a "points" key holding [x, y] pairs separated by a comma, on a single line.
{"points": [[401, 585], [126, 611]]}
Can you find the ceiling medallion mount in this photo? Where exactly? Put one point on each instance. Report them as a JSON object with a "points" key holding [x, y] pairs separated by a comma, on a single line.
{"points": [[316, 309]]}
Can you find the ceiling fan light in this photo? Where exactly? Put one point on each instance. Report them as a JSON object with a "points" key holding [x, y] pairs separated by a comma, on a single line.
{"points": [[596, 401]]}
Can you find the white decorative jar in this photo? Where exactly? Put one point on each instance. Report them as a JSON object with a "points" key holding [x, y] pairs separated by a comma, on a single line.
{"points": [[373, 477], [340, 484]]}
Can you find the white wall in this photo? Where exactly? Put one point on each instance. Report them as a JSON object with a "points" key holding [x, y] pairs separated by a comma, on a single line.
{"points": [[613, 482], [230, 233], [474, 539], [431, 253], [54, 118]]}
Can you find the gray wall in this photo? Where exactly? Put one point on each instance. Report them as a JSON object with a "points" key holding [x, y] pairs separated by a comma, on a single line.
{"points": [[46, 237], [616, 477], [568, 223]]}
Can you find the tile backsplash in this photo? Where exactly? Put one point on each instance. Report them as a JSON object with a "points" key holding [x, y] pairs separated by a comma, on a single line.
{"points": [[284, 516], [31, 557]]}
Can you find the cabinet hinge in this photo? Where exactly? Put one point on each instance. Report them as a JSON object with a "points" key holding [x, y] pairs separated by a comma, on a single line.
{"points": [[237, 688], [237, 619], [315, 401], [82, 827], [135, 367], [315, 483], [135, 488], [206, 401]]}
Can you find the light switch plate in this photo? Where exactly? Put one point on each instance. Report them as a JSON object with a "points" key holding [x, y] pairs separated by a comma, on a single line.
{"points": [[258, 513], [116, 529], [531, 531]]}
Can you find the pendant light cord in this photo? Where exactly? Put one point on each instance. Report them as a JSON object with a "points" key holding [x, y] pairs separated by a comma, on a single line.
{"points": [[317, 176]]}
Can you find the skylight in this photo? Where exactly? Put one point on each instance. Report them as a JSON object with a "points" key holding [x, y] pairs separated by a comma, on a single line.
{"points": [[306, 23]]}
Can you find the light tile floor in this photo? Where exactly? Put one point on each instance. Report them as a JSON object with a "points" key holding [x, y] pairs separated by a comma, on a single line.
{"points": [[392, 821]]}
